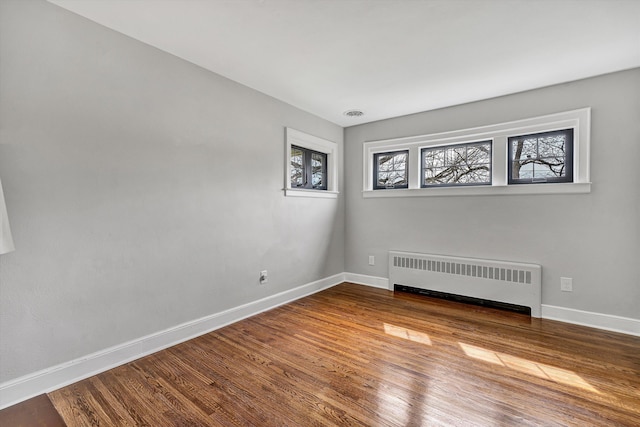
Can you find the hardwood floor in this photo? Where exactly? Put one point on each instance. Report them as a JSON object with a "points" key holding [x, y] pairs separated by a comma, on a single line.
{"points": [[354, 355]]}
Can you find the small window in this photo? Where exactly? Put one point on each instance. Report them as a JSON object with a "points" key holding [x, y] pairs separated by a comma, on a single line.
{"points": [[311, 166], [391, 170], [308, 169], [459, 164], [541, 157]]}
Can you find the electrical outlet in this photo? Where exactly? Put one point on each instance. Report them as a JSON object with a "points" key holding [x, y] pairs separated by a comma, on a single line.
{"points": [[566, 284], [372, 260], [264, 278]]}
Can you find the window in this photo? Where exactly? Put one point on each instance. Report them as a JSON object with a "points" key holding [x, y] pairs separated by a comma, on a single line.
{"points": [[550, 154], [391, 170], [459, 164], [311, 166], [308, 169], [541, 157]]}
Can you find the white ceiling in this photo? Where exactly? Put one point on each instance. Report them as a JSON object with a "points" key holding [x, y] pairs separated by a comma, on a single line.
{"points": [[384, 57]]}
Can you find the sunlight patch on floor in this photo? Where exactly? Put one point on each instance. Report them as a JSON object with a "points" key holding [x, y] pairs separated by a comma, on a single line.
{"points": [[540, 370], [407, 334]]}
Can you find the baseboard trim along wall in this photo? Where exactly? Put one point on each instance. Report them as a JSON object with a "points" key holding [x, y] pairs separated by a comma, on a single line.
{"points": [[607, 322], [362, 279], [55, 377], [46, 380]]}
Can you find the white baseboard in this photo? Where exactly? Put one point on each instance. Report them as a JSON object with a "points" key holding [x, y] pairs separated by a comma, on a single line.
{"points": [[363, 279], [55, 377], [607, 322]]}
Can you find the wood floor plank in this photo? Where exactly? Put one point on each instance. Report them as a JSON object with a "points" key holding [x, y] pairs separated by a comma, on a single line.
{"points": [[354, 355]]}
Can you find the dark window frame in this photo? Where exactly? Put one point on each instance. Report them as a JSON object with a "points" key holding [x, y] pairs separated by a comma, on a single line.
{"points": [[376, 156], [307, 170], [455, 184], [568, 162]]}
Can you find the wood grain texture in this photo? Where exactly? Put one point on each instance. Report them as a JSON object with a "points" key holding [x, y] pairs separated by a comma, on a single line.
{"points": [[359, 356]]}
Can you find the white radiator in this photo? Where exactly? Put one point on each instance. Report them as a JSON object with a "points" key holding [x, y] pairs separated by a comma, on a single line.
{"points": [[501, 281]]}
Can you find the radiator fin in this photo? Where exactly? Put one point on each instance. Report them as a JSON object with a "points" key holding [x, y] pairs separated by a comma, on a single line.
{"points": [[473, 270]]}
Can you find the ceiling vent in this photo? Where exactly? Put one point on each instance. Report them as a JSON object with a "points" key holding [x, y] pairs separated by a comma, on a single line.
{"points": [[353, 113]]}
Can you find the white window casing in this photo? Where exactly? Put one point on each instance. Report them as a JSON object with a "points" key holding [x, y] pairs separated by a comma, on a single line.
{"points": [[304, 140], [578, 120]]}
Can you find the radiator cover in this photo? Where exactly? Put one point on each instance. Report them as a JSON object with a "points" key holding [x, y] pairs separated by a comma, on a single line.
{"points": [[501, 281]]}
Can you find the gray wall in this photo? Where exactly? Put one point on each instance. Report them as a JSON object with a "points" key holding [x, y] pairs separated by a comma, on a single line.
{"points": [[593, 238], [142, 191]]}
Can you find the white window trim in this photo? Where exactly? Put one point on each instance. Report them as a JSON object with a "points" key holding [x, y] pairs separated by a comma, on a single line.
{"points": [[304, 140], [579, 120]]}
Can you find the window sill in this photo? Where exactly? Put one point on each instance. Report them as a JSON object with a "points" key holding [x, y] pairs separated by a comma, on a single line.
{"points": [[319, 194], [484, 190]]}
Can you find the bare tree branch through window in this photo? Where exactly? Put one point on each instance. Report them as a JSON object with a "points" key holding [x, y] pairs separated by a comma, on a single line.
{"points": [[542, 157], [308, 169], [459, 164], [391, 170]]}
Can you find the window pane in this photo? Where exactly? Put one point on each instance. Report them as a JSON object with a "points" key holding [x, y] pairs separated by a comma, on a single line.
{"points": [[526, 170], [308, 169], [396, 178], [479, 154], [383, 177], [399, 162], [385, 163], [434, 158], [391, 170], [543, 157], [552, 146], [461, 164], [438, 175], [529, 149], [318, 161], [297, 167]]}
